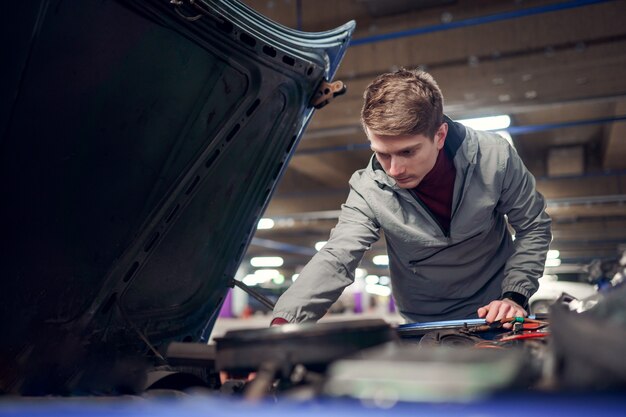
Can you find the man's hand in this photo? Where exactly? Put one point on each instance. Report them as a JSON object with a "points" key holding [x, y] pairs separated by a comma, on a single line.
{"points": [[501, 309]]}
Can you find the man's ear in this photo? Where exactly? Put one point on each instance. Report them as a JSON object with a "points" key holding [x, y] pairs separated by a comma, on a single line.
{"points": [[440, 136]]}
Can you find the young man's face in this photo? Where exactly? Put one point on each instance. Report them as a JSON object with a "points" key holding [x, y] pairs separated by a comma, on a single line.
{"points": [[407, 158]]}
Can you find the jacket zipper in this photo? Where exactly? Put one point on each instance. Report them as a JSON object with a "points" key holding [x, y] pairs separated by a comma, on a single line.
{"points": [[467, 174], [430, 213], [417, 261]]}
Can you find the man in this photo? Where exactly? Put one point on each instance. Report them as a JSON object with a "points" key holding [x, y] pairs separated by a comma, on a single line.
{"points": [[440, 192]]}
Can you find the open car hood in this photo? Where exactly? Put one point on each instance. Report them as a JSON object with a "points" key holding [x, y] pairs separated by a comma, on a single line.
{"points": [[141, 142]]}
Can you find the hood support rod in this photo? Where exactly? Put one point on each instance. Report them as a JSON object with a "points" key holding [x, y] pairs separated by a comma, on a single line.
{"points": [[253, 293]]}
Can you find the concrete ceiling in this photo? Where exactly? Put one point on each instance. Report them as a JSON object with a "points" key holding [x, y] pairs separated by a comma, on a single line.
{"points": [[558, 68]]}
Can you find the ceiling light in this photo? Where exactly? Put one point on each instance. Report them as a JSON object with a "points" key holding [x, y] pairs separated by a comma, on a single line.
{"points": [[265, 224], [250, 280], [320, 245], [488, 123], [266, 274], [266, 261], [384, 280], [553, 254], [382, 260], [294, 277], [553, 262], [378, 290], [278, 279], [261, 276], [371, 279], [360, 273]]}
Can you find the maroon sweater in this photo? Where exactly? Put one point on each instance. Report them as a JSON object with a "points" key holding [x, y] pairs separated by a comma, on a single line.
{"points": [[437, 188]]}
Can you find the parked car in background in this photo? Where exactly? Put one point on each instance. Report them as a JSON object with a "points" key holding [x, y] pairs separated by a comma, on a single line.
{"points": [[571, 280]]}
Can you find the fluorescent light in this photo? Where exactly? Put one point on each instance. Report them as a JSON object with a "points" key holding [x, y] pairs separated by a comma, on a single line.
{"points": [[384, 280], [264, 275], [553, 262], [261, 276], [360, 273], [265, 224], [381, 260], [264, 261], [371, 279], [320, 245], [278, 279], [488, 123], [553, 254], [294, 277], [378, 290], [250, 280]]}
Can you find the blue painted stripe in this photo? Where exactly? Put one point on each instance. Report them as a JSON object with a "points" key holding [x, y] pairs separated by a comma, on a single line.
{"points": [[520, 130], [474, 21]]}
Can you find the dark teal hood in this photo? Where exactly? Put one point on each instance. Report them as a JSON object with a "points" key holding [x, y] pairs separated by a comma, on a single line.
{"points": [[139, 149]]}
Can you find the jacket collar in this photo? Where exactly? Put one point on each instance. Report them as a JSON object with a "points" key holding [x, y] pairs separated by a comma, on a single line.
{"points": [[455, 138]]}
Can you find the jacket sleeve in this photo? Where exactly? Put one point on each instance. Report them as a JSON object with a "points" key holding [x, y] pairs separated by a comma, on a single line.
{"points": [[525, 210], [332, 269]]}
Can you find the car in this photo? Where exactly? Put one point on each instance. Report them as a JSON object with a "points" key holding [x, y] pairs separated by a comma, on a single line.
{"points": [[141, 142], [571, 280]]}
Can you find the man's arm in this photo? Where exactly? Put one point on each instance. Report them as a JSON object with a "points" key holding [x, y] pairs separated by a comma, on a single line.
{"points": [[525, 210], [332, 269]]}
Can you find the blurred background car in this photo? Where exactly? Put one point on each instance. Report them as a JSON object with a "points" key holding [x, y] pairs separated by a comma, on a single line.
{"points": [[572, 280]]}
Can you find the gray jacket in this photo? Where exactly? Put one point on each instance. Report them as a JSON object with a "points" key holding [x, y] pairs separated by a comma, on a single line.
{"points": [[435, 276]]}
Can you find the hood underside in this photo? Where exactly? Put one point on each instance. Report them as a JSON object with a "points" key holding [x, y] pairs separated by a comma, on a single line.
{"points": [[141, 142]]}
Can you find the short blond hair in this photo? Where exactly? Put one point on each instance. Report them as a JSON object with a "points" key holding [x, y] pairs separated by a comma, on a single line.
{"points": [[404, 102]]}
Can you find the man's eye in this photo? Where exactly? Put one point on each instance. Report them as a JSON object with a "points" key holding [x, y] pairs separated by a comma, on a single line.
{"points": [[383, 155], [407, 153]]}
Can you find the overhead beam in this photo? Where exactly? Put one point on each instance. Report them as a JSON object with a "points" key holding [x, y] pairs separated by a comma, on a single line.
{"points": [[474, 21], [331, 170], [582, 187], [494, 40], [514, 130], [520, 81]]}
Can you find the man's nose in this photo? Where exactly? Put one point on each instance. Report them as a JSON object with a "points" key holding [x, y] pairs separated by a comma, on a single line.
{"points": [[396, 168]]}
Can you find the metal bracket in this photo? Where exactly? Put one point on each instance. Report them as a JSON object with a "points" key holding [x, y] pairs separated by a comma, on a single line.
{"points": [[327, 92]]}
